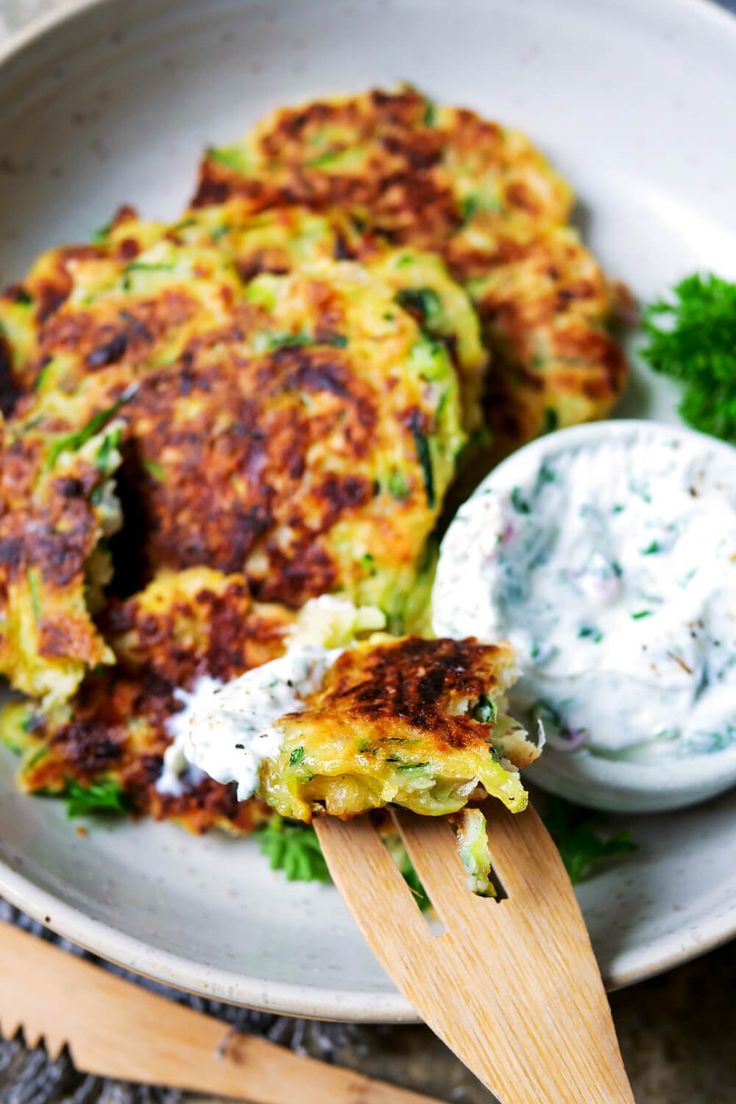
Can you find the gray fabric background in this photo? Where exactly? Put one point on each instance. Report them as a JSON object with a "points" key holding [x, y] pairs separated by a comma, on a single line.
{"points": [[677, 1033]]}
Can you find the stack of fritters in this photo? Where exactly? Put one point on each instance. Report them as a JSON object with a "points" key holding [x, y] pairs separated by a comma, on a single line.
{"points": [[404, 171], [210, 422]]}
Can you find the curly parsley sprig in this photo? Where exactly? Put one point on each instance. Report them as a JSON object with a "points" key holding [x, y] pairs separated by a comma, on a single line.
{"points": [[581, 846], [692, 338]]}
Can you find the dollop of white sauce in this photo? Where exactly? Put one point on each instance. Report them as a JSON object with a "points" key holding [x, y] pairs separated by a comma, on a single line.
{"points": [[611, 569], [227, 730]]}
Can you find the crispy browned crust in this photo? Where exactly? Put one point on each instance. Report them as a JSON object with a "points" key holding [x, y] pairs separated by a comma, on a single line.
{"points": [[403, 180], [48, 526], [414, 684], [212, 629], [238, 460], [118, 732], [180, 628], [554, 361], [237, 468], [545, 304]]}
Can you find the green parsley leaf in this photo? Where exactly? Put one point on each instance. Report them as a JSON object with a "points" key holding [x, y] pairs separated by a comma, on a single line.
{"points": [[109, 443], [232, 157], [519, 503], [294, 849], [692, 338], [423, 301], [150, 266], [429, 119], [296, 756], [34, 585], [102, 233], [397, 485], [581, 847], [104, 796], [410, 876], [551, 420]]}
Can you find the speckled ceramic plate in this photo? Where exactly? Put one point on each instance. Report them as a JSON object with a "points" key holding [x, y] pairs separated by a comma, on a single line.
{"points": [[113, 102]]}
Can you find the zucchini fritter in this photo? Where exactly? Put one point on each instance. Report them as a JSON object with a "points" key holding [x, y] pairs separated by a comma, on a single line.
{"points": [[282, 239], [313, 452], [194, 622], [415, 722], [56, 509], [303, 428], [115, 730], [407, 172]]}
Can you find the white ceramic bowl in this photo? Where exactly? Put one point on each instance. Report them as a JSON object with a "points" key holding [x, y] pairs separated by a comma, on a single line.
{"points": [[112, 103], [602, 782]]}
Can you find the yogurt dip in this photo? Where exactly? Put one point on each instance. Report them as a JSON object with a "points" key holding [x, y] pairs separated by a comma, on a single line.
{"points": [[227, 730], [606, 555]]}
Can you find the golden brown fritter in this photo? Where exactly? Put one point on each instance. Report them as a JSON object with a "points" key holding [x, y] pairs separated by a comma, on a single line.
{"points": [[194, 622], [301, 428], [283, 239], [545, 305], [415, 722], [411, 170], [481, 196], [56, 508], [114, 732], [113, 742]]}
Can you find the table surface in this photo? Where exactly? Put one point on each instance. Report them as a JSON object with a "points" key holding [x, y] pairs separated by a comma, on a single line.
{"points": [[677, 1032]]}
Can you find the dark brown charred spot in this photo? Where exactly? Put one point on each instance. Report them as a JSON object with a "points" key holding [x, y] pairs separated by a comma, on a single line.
{"points": [[12, 554], [343, 493], [109, 352], [305, 571], [225, 637], [49, 297], [59, 556], [210, 191], [127, 249], [91, 746], [305, 371], [106, 335], [17, 293]]}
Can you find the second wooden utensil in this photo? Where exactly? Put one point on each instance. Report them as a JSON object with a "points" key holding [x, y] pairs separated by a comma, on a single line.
{"points": [[512, 986], [116, 1029]]}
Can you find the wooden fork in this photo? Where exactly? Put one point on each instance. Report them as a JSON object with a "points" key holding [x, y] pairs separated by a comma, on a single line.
{"points": [[512, 985]]}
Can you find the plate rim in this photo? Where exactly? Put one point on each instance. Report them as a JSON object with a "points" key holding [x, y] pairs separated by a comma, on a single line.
{"points": [[102, 939], [283, 998]]}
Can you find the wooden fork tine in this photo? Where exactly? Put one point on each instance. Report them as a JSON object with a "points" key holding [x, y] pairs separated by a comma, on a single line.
{"points": [[432, 848], [523, 852], [358, 859]]}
